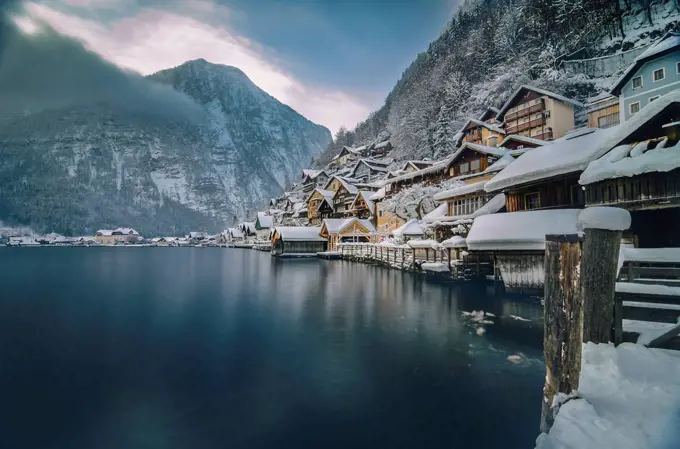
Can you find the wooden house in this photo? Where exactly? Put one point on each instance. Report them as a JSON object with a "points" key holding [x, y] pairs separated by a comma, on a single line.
{"points": [[380, 149], [603, 111], [472, 160], [538, 113], [482, 133], [345, 155], [518, 144], [118, 235], [347, 230], [362, 206], [367, 170], [315, 211], [412, 166], [489, 115], [297, 241], [343, 199], [428, 175], [642, 175], [312, 179]]}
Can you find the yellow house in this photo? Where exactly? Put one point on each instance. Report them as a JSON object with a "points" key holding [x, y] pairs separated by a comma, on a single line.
{"points": [[345, 155], [347, 230], [313, 200], [118, 235], [482, 133]]}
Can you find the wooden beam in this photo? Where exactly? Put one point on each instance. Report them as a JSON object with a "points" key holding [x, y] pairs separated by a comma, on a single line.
{"points": [[563, 320]]}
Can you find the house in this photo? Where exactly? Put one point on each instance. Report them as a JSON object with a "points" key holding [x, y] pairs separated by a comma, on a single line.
{"points": [[343, 198], [409, 231], [247, 228], [538, 113], [367, 170], [345, 155], [654, 73], [482, 133], [428, 175], [314, 200], [362, 206], [118, 235], [297, 241], [603, 111], [385, 220], [642, 174], [489, 115], [312, 179], [380, 149], [233, 235], [412, 166], [518, 144], [346, 230], [472, 160], [263, 221]]}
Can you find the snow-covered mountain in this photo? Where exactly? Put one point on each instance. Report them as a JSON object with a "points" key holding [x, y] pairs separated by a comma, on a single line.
{"points": [[86, 146]]}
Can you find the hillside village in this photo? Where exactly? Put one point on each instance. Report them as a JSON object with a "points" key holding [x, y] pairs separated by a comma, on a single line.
{"points": [[516, 173]]}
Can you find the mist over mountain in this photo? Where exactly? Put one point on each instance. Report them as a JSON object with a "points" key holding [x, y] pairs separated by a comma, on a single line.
{"points": [[85, 145]]}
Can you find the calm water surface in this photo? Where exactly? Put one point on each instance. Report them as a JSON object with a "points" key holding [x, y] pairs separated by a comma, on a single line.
{"points": [[134, 348]]}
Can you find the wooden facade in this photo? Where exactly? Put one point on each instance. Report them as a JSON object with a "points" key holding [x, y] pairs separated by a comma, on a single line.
{"points": [[646, 191], [604, 117], [353, 231], [482, 133], [563, 192], [342, 201], [313, 202], [362, 207], [470, 162]]}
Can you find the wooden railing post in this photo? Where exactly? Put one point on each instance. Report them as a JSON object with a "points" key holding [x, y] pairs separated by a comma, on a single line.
{"points": [[603, 227], [563, 320]]}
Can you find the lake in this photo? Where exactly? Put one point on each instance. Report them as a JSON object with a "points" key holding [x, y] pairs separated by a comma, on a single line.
{"points": [[134, 348]]}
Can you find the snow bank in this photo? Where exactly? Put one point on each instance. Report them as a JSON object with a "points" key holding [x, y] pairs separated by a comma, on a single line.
{"points": [[647, 289], [437, 267], [658, 255], [410, 228], [520, 230], [610, 218], [636, 161], [438, 213], [630, 400]]}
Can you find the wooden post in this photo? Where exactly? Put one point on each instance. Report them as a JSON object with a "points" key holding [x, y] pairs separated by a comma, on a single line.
{"points": [[599, 266], [402, 259], [563, 320]]}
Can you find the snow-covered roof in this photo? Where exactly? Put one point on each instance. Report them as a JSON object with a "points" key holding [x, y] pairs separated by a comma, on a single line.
{"points": [[438, 212], [328, 201], [486, 111], [324, 192], [523, 139], [628, 161], [371, 165], [493, 151], [500, 164], [382, 144], [265, 221], [524, 230], [422, 244], [668, 43], [336, 225], [247, 227], [351, 188], [366, 195], [434, 168], [573, 153], [494, 205], [508, 104], [235, 233], [379, 195], [410, 228], [104, 232], [126, 231], [418, 165], [460, 191], [454, 242], [299, 233], [309, 172], [492, 127]]}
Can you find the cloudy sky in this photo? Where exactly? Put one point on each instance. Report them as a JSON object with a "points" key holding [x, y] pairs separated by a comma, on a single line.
{"points": [[332, 60]]}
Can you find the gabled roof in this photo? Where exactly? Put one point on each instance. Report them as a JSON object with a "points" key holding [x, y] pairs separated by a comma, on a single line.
{"points": [[312, 174], [366, 195], [325, 193], [524, 88], [493, 151], [573, 152], [235, 233], [299, 233], [410, 228], [264, 221], [490, 126], [524, 139], [347, 149], [328, 201], [489, 111], [418, 165], [460, 191], [337, 225], [383, 144], [371, 165], [669, 43], [345, 183]]}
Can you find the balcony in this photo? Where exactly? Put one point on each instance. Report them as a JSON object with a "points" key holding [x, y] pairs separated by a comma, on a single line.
{"points": [[524, 111], [545, 134], [518, 128]]}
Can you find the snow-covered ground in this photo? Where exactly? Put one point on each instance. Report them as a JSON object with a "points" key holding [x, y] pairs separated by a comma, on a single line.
{"points": [[628, 398]]}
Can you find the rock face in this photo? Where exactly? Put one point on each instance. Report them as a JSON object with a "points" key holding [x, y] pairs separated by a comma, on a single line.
{"points": [[76, 167]]}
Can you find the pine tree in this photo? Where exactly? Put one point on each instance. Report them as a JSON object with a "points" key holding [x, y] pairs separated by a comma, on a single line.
{"points": [[444, 134]]}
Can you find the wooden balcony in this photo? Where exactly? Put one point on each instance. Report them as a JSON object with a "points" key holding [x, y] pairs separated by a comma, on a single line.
{"points": [[546, 134], [514, 129], [524, 112]]}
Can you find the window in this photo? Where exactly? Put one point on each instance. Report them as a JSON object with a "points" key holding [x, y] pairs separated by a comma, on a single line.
{"points": [[532, 201], [677, 67], [380, 213], [577, 195], [464, 167], [546, 114], [634, 108], [637, 82], [653, 98], [659, 74], [475, 164], [607, 121]]}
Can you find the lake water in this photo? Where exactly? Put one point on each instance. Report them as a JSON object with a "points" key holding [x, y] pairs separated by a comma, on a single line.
{"points": [[192, 348]]}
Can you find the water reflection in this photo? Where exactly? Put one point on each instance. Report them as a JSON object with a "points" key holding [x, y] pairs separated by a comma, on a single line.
{"points": [[188, 347]]}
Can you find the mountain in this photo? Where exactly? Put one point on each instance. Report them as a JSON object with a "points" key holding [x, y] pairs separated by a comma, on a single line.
{"points": [[84, 145], [490, 48]]}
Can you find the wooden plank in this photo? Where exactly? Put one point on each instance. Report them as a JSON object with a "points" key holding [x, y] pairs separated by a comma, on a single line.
{"points": [[618, 322], [651, 305], [666, 336]]}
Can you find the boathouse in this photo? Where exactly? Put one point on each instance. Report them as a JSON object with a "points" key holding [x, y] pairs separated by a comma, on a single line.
{"points": [[347, 230], [297, 241]]}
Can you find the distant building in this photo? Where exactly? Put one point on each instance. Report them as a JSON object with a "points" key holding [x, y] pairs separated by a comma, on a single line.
{"points": [[603, 112], [482, 133], [312, 179], [118, 235], [367, 170], [380, 149], [538, 113], [654, 73]]}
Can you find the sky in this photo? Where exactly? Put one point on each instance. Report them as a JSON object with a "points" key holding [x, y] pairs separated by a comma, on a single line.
{"points": [[334, 61]]}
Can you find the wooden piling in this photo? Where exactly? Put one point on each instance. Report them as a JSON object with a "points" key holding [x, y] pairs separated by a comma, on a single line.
{"points": [[563, 320], [599, 270]]}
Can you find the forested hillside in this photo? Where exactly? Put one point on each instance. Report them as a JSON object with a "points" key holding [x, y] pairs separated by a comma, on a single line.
{"points": [[489, 48]]}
